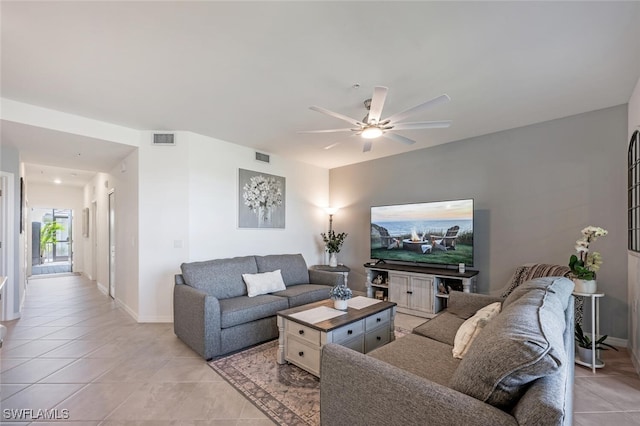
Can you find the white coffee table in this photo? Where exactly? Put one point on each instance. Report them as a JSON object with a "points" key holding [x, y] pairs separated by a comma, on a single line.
{"points": [[362, 330]]}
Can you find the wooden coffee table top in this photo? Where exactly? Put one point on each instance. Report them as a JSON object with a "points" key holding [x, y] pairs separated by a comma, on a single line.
{"points": [[352, 314]]}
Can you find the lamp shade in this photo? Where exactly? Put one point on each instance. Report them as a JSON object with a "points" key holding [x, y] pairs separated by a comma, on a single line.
{"points": [[331, 210]]}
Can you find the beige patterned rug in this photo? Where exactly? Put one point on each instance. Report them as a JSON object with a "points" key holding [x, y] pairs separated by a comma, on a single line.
{"points": [[287, 394]]}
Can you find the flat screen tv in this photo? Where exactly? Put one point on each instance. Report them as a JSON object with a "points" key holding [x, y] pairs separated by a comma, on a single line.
{"points": [[436, 233]]}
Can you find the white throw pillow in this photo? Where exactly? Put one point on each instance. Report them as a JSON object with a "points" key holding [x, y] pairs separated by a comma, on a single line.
{"points": [[471, 327], [266, 282]]}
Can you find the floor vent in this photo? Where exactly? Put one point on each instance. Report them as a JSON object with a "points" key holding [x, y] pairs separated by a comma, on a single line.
{"points": [[262, 157], [164, 139]]}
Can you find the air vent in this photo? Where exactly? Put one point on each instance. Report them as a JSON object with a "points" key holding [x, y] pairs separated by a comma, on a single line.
{"points": [[262, 157], [164, 139]]}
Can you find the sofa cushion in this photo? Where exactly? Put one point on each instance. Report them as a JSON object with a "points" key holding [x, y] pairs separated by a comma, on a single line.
{"points": [[243, 309], [524, 342], [220, 278], [468, 331], [293, 266], [302, 294], [442, 327], [263, 283], [465, 305], [421, 356]]}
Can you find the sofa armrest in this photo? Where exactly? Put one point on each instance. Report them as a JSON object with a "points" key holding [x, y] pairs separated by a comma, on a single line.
{"points": [[196, 320], [356, 389], [325, 278]]}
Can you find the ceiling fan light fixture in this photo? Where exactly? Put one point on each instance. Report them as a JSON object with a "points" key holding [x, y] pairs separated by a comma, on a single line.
{"points": [[371, 132]]}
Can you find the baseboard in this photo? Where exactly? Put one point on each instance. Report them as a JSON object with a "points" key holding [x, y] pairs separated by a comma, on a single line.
{"points": [[616, 341], [141, 319], [102, 288], [151, 318], [87, 276], [635, 361], [128, 310]]}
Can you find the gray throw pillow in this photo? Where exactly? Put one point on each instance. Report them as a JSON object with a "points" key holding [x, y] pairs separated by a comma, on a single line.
{"points": [[523, 343]]}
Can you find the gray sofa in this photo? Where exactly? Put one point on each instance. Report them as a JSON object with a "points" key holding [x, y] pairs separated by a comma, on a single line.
{"points": [[518, 371], [214, 316]]}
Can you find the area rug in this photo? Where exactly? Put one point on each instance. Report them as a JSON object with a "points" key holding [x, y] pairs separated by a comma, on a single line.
{"points": [[287, 394]]}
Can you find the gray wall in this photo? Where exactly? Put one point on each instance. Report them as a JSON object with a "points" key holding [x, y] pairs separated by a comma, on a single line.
{"points": [[534, 188]]}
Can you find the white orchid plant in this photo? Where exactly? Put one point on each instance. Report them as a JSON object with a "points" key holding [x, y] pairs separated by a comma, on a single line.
{"points": [[585, 264]]}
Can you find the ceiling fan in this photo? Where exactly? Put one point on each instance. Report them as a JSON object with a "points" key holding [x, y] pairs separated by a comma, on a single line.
{"points": [[372, 126]]}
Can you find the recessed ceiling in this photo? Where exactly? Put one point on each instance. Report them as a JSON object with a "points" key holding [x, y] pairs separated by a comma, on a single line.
{"points": [[51, 155], [246, 72]]}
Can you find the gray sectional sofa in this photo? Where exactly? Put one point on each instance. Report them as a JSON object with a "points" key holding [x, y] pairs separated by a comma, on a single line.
{"points": [[518, 371], [213, 314]]}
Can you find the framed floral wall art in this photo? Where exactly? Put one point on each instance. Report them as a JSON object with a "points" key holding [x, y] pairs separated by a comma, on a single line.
{"points": [[261, 200]]}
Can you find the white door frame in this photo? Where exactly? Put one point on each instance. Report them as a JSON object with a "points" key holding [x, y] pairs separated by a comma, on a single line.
{"points": [[7, 252], [111, 219], [94, 240]]}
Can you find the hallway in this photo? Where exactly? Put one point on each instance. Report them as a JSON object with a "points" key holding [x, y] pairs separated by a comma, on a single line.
{"points": [[74, 349]]}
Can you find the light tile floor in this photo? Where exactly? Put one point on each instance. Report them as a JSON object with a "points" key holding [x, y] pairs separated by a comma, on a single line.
{"points": [[74, 349]]}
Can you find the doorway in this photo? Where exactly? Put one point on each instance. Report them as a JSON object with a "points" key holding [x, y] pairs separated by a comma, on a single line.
{"points": [[112, 244], [51, 241]]}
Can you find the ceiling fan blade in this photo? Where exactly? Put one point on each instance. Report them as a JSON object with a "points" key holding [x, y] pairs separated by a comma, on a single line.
{"points": [[399, 138], [367, 146], [423, 125], [327, 131], [336, 115], [416, 109], [332, 145], [377, 102]]}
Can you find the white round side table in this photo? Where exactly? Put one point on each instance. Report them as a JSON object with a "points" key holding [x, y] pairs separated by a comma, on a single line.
{"points": [[595, 330]]}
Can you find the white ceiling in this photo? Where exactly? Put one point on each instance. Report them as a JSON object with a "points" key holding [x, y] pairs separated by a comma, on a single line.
{"points": [[246, 72]]}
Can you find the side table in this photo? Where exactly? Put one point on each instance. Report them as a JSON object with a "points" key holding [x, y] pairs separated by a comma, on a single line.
{"points": [[340, 269], [595, 330]]}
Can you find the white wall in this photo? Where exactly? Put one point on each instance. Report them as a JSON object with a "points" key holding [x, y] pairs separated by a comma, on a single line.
{"points": [[60, 197], [535, 188], [177, 204], [634, 258], [163, 211], [188, 212], [122, 180], [14, 243]]}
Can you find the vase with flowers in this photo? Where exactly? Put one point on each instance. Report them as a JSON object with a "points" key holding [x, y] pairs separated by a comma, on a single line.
{"points": [[333, 242], [585, 263], [340, 295]]}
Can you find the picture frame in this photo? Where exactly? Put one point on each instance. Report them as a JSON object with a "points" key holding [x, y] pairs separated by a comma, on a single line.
{"points": [[85, 222], [261, 200]]}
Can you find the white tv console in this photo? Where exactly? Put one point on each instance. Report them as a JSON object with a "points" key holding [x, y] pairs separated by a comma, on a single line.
{"points": [[415, 288]]}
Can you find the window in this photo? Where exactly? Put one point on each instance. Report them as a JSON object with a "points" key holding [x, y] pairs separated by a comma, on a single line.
{"points": [[633, 195]]}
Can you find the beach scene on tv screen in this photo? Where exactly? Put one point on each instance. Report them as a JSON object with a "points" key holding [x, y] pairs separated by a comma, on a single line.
{"points": [[436, 232]]}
